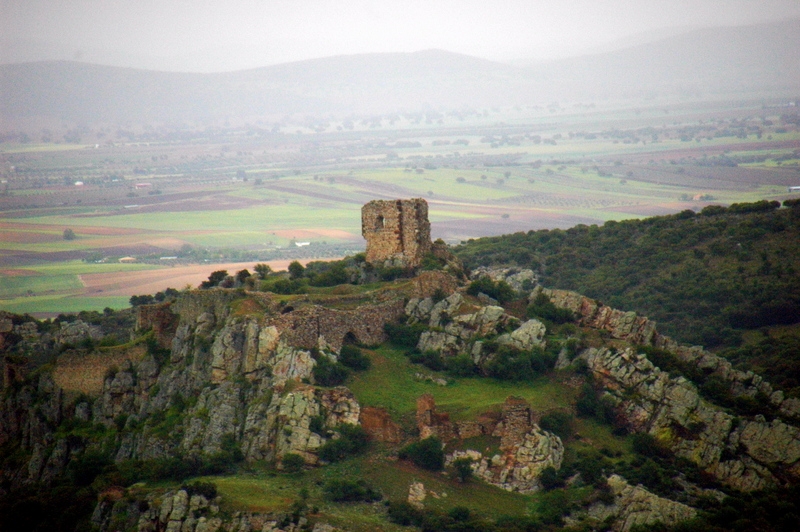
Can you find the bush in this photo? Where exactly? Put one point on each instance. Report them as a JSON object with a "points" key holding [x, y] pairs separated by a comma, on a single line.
{"points": [[206, 489], [430, 359], [500, 290], [510, 364], [328, 373], [404, 335], [292, 463], [461, 366], [559, 423], [350, 491], [404, 514], [550, 479], [463, 469], [354, 358], [543, 308], [427, 454], [352, 440]]}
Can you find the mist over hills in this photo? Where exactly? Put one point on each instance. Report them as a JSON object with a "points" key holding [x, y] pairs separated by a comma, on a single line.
{"points": [[739, 61]]}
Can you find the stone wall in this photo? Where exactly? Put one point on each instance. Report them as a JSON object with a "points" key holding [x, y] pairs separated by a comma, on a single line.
{"points": [[160, 319], [315, 326], [396, 230]]}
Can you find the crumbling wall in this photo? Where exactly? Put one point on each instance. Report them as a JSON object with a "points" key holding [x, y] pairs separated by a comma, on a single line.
{"points": [[309, 326], [396, 230]]}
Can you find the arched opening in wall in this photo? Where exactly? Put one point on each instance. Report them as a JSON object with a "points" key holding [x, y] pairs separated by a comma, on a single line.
{"points": [[380, 222], [350, 339]]}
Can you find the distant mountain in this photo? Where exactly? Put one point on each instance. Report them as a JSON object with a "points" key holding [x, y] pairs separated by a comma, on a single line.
{"points": [[758, 58], [738, 61]]}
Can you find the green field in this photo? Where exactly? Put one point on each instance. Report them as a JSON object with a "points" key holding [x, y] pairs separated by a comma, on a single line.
{"points": [[228, 192]]}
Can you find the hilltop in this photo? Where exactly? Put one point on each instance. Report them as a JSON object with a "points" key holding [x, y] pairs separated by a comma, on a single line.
{"points": [[373, 395]]}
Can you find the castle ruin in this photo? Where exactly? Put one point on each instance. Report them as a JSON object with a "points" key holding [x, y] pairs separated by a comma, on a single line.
{"points": [[396, 230]]}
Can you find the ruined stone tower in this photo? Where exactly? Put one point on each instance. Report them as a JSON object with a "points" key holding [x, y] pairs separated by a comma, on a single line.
{"points": [[396, 230]]}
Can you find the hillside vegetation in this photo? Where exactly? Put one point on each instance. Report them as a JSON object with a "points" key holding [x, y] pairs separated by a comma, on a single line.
{"points": [[358, 397], [704, 277]]}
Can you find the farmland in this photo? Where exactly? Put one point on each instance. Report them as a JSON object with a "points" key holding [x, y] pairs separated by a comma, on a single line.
{"points": [[174, 204]]}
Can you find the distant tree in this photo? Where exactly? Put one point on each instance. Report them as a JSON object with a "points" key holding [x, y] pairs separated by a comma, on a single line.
{"points": [[242, 275], [214, 279], [262, 270], [241, 174], [460, 180], [69, 234], [296, 270]]}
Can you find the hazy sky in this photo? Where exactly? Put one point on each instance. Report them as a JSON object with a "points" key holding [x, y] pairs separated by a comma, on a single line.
{"points": [[204, 35]]}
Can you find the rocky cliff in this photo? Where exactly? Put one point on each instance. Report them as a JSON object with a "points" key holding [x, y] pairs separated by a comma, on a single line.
{"points": [[220, 373]]}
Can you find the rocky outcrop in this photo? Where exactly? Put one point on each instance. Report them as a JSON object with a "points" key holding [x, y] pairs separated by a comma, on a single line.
{"points": [[458, 326], [740, 453], [642, 331], [416, 495], [633, 506], [521, 280], [182, 511]]}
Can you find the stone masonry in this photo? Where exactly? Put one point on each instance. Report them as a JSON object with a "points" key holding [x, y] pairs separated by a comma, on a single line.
{"points": [[396, 230]]}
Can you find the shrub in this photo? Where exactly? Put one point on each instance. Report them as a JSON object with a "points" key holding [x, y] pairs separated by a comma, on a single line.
{"points": [[559, 423], [647, 445], [293, 463], [543, 308], [510, 364], [206, 489], [427, 454], [404, 514], [500, 290], [328, 373], [404, 335], [354, 358], [350, 491], [461, 366], [550, 479], [463, 469], [430, 359], [352, 440]]}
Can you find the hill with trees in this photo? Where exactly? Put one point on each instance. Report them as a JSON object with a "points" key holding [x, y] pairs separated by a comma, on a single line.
{"points": [[348, 396]]}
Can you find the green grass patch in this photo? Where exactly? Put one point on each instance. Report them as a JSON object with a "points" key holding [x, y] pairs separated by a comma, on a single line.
{"points": [[38, 285], [57, 304], [391, 384]]}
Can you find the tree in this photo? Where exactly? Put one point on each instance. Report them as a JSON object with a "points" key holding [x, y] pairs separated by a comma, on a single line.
{"points": [[242, 275], [69, 234], [296, 270], [463, 468], [262, 270], [214, 279]]}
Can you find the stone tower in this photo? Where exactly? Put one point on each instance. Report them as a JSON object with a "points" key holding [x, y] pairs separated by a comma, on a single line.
{"points": [[396, 230]]}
